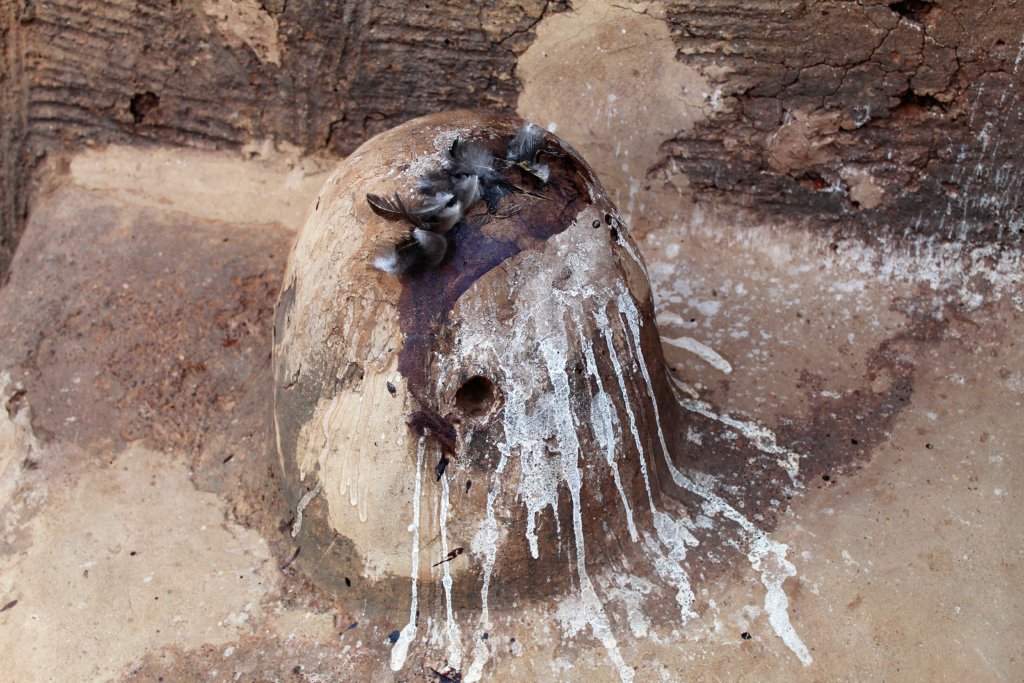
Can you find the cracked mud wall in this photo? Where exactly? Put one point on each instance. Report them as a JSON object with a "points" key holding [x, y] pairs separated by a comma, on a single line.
{"points": [[872, 118], [218, 74], [867, 116], [13, 178]]}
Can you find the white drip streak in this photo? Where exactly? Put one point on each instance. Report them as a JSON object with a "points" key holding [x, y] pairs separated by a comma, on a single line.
{"points": [[451, 625], [569, 446], [306, 499], [401, 647], [604, 419], [610, 343], [761, 437], [761, 548]]}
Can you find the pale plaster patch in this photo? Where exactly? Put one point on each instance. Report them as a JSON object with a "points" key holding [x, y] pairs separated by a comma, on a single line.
{"points": [[269, 184], [802, 141], [606, 78], [131, 559], [246, 22], [864, 191], [17, 442]]}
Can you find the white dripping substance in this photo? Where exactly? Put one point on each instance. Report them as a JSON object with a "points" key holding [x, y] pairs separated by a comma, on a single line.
{"points": [[451, 625], [765, 555], [540, 424], [609, 342], [605, 421], [669, 568], [554, 354], [401, 647], [538, 419], [701, 350], [485, 544], [351, 471], [762, 438], [306, 499]]}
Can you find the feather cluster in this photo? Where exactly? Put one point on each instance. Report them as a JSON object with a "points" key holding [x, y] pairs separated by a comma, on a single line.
{"points": [[443, 197]]}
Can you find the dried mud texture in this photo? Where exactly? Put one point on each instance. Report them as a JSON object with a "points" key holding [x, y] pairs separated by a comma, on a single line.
{"points": [[891, 118], [214, 73], [13, 152], [148, 326], [898, 541], [142, 560], [218, 74]]}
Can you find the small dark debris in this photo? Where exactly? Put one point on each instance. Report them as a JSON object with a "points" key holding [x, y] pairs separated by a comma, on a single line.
{"points": [[441, 466], [746, 636], [297, 669], [826, 477], [348, 582], [8, 606], [469, 485], [15, 402], [295, 555], [28, 12], [485, 636], [133, 553], [31, 464], [393, 636], [449, 675], [226, 460], [608, 218], [391, 388], [451, 555], [928, 446], [855, 442]]}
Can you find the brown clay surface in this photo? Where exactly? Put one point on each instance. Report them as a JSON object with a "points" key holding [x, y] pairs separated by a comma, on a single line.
{"points": [[905, 546], [793, 221]]}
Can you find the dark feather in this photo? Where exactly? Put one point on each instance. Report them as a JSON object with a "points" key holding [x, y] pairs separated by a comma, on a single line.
{"points": [[388, 208], [526, 145], [434, 182], [470, 158], [420, 251]]}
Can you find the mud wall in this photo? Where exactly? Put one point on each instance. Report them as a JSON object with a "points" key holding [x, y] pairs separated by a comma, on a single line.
{"points": [[895, 116]]}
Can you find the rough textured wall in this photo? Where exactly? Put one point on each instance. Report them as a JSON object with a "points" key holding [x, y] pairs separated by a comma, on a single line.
{"points": [[226, 74], [12, 137], [882, 115], [218, 72], [896, 116]]}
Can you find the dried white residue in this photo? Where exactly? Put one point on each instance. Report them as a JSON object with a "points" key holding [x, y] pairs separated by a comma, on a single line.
{"points": [[765, 555], [433, 161], [400, 649], [305, 500], [351, 472], [451, 625], [701, 350], [607, 429], [547, 426], [761, 437]]}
